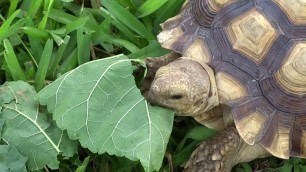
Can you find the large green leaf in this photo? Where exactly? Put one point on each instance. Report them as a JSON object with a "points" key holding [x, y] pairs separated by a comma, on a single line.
{"points": [[29, 129], [99, 104], [11, 159]]}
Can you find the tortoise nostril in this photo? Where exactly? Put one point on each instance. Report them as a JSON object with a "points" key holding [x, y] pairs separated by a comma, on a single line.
{"points": [[176, 96]]}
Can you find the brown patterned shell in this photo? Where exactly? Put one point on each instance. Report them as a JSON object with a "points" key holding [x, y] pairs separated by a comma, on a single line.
{"points": [[257, 49]]}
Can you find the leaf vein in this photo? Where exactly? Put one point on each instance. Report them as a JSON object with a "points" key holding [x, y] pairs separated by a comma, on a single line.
{"points": [[39, 128]]}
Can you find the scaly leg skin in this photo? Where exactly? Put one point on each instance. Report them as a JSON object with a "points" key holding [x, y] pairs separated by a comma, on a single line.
{"points": [[222, 152], [153, 64]]}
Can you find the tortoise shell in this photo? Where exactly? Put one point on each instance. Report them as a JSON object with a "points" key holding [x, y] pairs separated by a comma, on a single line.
{"points": [[257, 49]]}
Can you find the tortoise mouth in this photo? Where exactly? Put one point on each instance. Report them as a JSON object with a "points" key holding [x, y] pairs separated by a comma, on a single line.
{"points": [[174, 101], [180, 103], [155, 98]]}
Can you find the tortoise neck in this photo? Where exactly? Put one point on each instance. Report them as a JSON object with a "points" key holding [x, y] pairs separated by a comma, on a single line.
{"points": [[213, 99]]}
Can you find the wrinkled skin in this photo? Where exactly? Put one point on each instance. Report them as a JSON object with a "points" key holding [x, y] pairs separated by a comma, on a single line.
{"points": [[182, 85]]}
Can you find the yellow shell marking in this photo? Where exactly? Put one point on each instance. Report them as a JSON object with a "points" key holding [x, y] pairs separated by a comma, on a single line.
{"points": [[229, 88], [280, 144], [250, 126], [216, 5], [198, 50], [252, 35], [294, 9], [292, 75]]}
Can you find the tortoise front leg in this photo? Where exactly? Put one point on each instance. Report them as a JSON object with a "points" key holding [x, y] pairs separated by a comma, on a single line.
{"points": [[222, 152]]}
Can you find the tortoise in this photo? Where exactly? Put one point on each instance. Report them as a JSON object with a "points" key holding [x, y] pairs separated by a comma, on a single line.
{"points": [[238, 66]]}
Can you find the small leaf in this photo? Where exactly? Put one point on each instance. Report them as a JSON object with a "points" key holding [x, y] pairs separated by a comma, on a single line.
{"points": [[29, 129], [83, 166], [99, 104], [11, 159]]}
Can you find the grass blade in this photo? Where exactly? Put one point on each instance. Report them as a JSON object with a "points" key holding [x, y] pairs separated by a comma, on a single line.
{"points": [[29, 52], [168, 10], [100, 37], [149, 7], [127, 18], [66, 18], [152, 50], [6, 24], [13, 29], [36, 32], [43, 22], [83, 45], [35, 46], [43, 65], [13, 6], [83, 166], [121, 27], [70, 62], [34, 7], [58, 57], [246, 167], [12, 62], [80, 22]]}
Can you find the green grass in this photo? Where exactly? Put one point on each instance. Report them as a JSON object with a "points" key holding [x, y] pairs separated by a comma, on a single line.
{"points": [[42, 39], [78, 33]]}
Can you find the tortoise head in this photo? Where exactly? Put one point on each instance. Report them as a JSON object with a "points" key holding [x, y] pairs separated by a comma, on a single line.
{"points": [[182, 85]]}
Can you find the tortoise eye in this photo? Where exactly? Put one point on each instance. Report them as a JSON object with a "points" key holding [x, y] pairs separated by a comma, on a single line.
{"points": [[176, 96]]}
